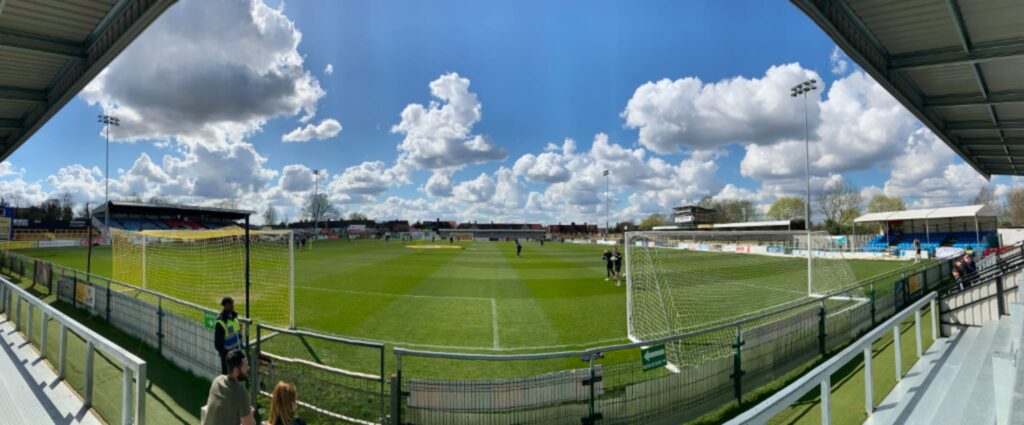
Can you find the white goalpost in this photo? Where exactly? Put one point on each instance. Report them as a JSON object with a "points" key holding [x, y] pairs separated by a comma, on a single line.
{"points": [[688, 281], [202, 266]]}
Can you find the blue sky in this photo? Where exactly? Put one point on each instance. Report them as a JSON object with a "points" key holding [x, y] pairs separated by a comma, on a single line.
{"points": [[689, 99]]}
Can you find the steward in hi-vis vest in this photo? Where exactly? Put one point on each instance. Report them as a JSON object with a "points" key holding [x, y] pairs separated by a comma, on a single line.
{"points": [[227, 334]]}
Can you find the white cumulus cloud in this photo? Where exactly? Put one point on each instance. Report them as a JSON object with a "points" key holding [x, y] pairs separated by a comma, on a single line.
{"points": [[327, 129]]}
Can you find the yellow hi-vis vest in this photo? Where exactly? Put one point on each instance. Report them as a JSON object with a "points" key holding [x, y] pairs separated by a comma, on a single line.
{"points": [[232, 336]]}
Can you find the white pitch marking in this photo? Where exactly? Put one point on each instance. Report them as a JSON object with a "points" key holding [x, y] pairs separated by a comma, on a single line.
{"points": [[494, 315], [386, 294]]}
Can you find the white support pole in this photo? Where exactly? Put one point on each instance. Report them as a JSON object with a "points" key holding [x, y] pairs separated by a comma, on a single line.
{"points": [[935, 320], [826, 400], [143, 261], [42, 341], [869, 389], [917, 331], [629, 276], [126, 395], [897, 351], [28, 329], [140, 394], [63, 351], [90, 364], [977, 233], [291, 280], [927, 233]]}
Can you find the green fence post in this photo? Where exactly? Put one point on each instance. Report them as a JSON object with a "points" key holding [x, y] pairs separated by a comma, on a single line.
{"points": [[396, 391], [108, 300], [737, 366], [873, 322], [254, 393], [821, 326], [160, 325]]}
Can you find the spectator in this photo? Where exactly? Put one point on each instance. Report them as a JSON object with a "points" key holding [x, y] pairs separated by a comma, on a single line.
{"points": [[227, 332], [228, 402], [283, 404], [956, 279]]}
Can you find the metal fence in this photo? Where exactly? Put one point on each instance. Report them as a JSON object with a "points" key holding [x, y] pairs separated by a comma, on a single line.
{"points": [[617, 384], [133, 369], [339, 379], [182, 331], [348, 382], [821, 375]]}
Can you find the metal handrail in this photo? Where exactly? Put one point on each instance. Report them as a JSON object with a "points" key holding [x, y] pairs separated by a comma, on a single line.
{"points": [[131, 363], [821, 375]]}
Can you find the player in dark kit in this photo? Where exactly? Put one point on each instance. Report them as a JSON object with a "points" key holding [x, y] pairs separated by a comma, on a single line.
{"points": [[617, 262], [519, 249], [609, 265]]}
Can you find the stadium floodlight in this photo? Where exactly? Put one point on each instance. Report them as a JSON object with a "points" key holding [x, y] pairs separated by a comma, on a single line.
{"points": [[107, 121], [606, 210], [316, 201], [802, 89]]}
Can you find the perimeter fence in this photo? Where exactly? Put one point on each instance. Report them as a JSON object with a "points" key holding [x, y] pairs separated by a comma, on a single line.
{"points": [[182, 331], [341, 379], [631, 383]]}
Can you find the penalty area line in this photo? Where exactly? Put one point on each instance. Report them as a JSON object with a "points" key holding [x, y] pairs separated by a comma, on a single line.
{"points": [[494, 322]]}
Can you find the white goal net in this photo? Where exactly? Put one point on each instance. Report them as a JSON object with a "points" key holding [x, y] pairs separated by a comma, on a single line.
{"points": [[686, 281], [202, 266]]}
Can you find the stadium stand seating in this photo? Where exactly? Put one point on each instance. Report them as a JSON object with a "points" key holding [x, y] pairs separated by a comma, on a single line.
{"points": [[905, 242]]}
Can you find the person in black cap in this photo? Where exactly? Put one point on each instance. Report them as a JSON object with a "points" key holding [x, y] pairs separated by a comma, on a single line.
{"points": [[227, 333]]}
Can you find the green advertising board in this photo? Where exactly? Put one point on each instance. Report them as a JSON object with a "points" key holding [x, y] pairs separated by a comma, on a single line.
{"points": [[653, 357], [209, 320]]}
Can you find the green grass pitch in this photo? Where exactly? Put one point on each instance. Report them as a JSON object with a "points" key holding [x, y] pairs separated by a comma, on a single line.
{"points": [[481, 298]]}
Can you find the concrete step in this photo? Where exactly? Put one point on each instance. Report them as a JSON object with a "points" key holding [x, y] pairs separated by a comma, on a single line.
{"points": [[958, 394], [915, 389], [982, 404]]}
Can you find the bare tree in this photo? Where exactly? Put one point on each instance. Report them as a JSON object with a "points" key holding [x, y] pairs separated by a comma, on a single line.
{"points": [[318, 207], [839, 203], [356, 216], [1015, 206], [270, 216]]}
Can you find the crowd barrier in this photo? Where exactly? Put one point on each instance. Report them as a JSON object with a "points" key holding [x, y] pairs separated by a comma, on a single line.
{"points": [[133, 369]]}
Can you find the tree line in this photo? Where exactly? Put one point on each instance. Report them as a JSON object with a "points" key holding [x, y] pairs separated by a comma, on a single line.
{"points": [[834, 208]]}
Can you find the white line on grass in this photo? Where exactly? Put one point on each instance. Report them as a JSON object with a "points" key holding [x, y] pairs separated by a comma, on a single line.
{"points": [[387, 294], [494, 321], [767, 288]]}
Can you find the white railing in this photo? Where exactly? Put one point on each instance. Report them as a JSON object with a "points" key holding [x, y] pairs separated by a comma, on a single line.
{"points": [[133, 404], [821, 376]]}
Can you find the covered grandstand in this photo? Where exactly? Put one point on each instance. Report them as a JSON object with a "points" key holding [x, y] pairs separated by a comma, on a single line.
{"points": [[971, 226], [497, 231], [145, 216]]}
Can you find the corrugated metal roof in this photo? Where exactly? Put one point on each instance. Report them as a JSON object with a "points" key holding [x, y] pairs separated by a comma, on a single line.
{"points": [[49, 51], [752, 224], [957, 65], [965, 211]]}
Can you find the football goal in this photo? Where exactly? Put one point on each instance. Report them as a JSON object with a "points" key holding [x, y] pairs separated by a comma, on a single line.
{"points": [[687, 281], [202, 266], [462, 236]]}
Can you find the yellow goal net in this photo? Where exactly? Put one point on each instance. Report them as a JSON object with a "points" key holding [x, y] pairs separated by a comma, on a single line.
{"points": [[203, 266]]}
